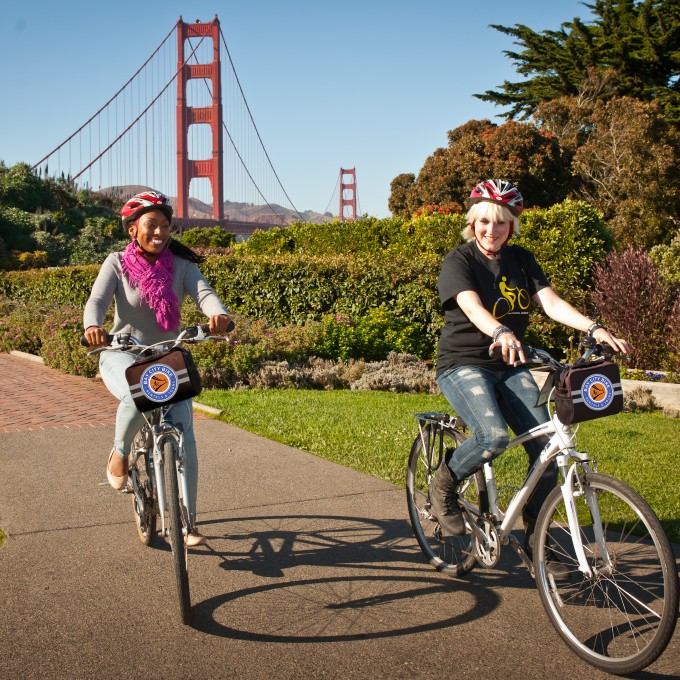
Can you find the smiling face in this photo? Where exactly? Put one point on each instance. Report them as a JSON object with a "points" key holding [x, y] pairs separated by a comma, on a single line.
{"points": [[491, 225], [152, 230], [492, 234]]}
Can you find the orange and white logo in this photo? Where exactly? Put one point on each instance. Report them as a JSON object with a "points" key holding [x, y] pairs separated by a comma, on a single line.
{"points": [[597, 392], [159, 383]]}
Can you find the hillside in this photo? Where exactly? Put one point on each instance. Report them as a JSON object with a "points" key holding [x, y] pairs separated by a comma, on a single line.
{"points": [[243, 212]]}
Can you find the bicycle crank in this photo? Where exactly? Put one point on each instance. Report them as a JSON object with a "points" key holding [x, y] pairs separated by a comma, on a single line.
{"points": [[487, 551]]}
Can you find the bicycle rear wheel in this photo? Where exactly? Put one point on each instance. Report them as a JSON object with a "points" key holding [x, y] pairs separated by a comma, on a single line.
{"points": [[174, 525], [453, 555], [620, 619]]}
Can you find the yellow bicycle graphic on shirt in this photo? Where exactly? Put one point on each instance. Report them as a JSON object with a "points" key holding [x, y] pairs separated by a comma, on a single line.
{"points": [[511, 297]]}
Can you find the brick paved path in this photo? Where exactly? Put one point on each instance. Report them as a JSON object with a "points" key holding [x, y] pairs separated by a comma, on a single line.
{"points": [[35, 397]]}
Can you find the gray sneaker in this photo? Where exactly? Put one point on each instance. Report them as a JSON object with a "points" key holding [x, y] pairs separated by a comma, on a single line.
{"points": [[444, 502]]}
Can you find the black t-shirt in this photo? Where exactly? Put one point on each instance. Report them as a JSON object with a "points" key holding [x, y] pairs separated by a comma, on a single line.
{"points": [[505, 286]]}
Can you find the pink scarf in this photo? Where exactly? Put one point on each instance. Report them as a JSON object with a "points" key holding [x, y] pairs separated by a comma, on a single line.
{"points": [[154, 283]]}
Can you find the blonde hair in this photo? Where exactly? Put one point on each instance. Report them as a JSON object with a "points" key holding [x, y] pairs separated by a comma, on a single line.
{"points": [[492, 211]]}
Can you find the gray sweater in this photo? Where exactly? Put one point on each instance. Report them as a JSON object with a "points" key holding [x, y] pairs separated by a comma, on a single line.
{"points": [[132, 315]]}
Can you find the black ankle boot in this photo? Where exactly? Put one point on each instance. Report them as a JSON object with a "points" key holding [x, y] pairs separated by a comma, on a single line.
{"points": [[444, 502]]}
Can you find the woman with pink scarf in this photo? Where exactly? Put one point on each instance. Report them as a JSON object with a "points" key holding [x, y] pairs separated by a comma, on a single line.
{"points": [[148, 282]]}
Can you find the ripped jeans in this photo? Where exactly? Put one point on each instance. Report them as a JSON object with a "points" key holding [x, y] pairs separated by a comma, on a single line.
{"points": [[488, 401]]}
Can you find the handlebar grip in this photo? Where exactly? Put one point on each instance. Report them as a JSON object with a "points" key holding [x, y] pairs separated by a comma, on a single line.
{"points": [[497, 352], [85, 343], [206, 328]]}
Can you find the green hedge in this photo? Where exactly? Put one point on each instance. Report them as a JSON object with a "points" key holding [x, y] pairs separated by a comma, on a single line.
{"points": [[62, 285], [385, 264]]}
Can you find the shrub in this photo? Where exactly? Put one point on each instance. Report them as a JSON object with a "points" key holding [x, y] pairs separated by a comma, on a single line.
{"points": [[667, 259], [61, 348], [568, 240], [369, 337], [16, 228], [34, 260], [639, 400], [64, 286], [431, 231], [20, 328], [398, 373], [635, 302], [213, 237]]}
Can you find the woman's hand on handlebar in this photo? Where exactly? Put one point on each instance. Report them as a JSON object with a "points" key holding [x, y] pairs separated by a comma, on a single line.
{"points": [[220, 324], [96, 336], [603, 336], [510, 349]]}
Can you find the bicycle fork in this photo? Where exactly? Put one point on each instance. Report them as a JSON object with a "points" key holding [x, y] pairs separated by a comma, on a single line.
{"points": [[161, 433], [568, 494]]}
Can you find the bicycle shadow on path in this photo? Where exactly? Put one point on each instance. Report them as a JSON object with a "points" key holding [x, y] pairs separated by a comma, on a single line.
{"points": [[378, 583]]}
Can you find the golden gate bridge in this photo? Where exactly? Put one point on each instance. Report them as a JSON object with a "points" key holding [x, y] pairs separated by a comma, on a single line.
{"points": [[216, 152]]}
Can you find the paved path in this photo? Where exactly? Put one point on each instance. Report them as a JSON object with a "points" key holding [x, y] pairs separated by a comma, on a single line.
{"points": [[311, 569], [34, 397]]}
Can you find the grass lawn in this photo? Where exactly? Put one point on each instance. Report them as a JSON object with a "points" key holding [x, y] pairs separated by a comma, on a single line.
{"points": [[373, 431]]}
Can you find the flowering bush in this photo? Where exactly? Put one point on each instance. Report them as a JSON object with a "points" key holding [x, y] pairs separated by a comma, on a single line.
{"points": [[61, 349], [19, 328]]}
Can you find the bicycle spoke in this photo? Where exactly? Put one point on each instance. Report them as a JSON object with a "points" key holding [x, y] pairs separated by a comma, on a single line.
{"points": [[621, 617]]}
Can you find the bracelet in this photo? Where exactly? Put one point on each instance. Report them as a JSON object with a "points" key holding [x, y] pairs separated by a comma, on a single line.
{"points": [[500, 330], [593, 327]]}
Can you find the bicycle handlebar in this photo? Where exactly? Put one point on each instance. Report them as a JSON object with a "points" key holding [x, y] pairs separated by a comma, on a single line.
{"points": [[189, 334], [539, 357]]}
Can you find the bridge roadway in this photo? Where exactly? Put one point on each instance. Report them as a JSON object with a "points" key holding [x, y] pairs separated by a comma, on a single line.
{"points": [[233, 226], [311, 569]]}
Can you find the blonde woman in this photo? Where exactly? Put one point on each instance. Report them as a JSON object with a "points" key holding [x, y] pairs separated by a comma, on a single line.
{"points": [[485, 288]]}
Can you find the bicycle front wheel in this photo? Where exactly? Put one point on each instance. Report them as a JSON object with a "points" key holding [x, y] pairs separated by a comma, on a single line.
{"points": [[174, 526], [620, 618], [452, 555]]}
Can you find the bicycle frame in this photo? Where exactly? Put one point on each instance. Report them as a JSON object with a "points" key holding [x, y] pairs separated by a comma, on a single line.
{"points": [[560, 447]]}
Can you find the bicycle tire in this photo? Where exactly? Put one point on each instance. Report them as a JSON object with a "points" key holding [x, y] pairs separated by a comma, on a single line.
{"points": [[622, 618], [145, 512], [174, 527], [452, 555]]}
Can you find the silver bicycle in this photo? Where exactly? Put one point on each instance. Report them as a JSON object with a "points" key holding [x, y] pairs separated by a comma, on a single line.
{"points": [[618, 604], [157, 482]]}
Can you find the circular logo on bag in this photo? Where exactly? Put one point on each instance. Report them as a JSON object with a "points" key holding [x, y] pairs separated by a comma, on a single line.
{"points": [[159, 383], [597, 392]]}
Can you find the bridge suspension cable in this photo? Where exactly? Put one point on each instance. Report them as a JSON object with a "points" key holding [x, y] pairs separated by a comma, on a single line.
{"points": [[245, 101], [87, 122], [131, 139]]}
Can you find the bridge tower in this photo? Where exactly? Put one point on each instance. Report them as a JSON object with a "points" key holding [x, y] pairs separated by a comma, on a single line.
{"points": [[188, 169], [348, 194]]}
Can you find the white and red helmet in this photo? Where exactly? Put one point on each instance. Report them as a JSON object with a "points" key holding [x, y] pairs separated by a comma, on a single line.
{"points": [[499, 191], [143, 202]]}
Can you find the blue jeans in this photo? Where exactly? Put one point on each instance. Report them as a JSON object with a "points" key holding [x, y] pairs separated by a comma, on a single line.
{"points": [[129, 420], [488, 401]]}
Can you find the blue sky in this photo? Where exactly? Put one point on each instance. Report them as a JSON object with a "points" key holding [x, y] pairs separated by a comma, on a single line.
{"points": [[371, 84]]}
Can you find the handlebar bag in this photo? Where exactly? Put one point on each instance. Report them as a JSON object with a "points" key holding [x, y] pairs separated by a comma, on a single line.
{"points": [[163, 379], [588, 392]]}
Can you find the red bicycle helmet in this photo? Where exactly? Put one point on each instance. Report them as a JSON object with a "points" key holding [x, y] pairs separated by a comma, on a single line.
{"points": [[143, 202], [499, 191]]}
